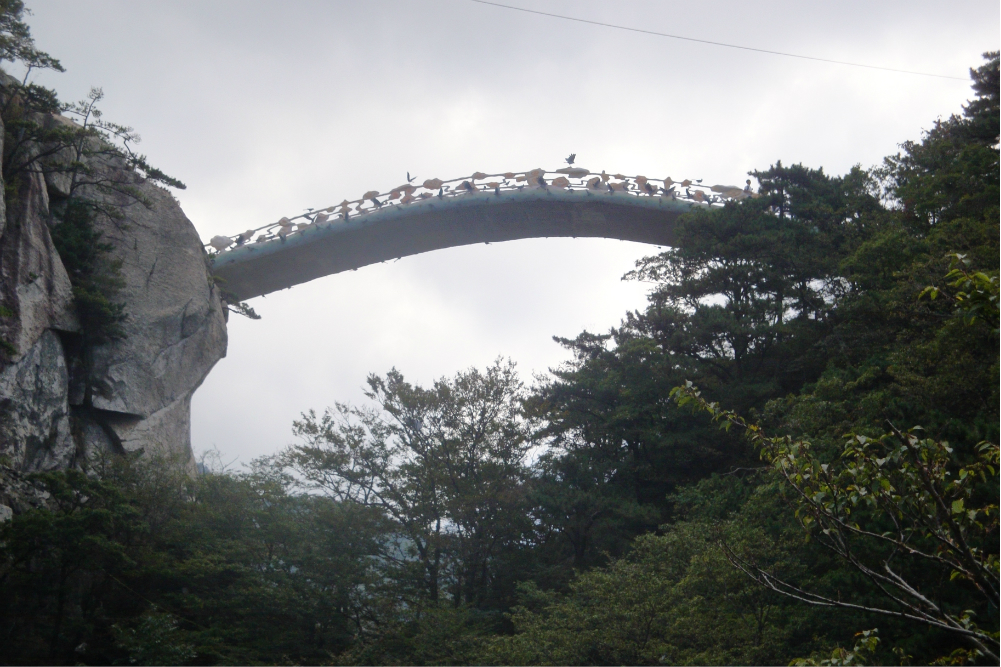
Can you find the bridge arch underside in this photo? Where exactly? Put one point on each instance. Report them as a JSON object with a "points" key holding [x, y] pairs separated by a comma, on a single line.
{"points": [[261, 268]]}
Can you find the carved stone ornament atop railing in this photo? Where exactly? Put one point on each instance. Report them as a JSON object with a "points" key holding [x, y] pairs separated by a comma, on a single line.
{"points": [[567, 179]]}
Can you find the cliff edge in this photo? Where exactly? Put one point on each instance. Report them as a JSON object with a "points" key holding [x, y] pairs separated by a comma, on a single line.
{"points": [[58, 406]]}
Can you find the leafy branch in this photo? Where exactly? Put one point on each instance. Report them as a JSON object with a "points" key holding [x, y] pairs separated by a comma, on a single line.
{"points": [[900, 491], [974, 293], [230, 302]]}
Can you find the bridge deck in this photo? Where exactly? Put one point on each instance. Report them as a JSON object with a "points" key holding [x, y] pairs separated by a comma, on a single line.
{"points": [[322, 249]]}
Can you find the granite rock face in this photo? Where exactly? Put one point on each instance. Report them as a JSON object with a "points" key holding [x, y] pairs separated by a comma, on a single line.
{"points": [[34, 411], [37, 301], [175, 331], [136, 393], [34, 286]]}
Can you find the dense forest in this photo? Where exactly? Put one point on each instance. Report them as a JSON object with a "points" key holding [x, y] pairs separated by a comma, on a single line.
{"points": [[789, 455]]}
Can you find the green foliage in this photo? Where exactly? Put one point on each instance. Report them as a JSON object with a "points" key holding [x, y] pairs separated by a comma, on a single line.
{"points": [[101, 163], [974, 293], [147, 565], [953, 173], [865, 646], [4, 345], [96, 279], [907, 499], [444, 465], [241, 308], [54, 563], [16, 42], [673, 600], [740, 304], [890, 354], [435, 635], [259, 575], [230, 301], [154, 641], [582, 511]]}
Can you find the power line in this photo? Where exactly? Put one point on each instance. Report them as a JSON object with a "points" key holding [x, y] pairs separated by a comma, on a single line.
{"points": [[706, 41]]}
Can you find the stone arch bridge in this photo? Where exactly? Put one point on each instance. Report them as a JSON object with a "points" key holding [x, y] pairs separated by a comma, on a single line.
{"points": [[482, 208]]}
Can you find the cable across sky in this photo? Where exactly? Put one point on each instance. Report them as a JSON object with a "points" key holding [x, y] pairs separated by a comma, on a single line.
{"points": [[712, 43]]}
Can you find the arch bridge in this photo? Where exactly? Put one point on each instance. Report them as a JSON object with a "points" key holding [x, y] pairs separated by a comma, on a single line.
{"points": [[482, 208]]}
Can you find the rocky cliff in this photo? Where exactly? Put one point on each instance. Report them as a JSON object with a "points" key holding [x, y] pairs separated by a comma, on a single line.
{"points": [[51, 415]]}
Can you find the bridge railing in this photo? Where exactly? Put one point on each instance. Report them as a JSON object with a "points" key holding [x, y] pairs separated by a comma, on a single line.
{"points": [[568, 178]]}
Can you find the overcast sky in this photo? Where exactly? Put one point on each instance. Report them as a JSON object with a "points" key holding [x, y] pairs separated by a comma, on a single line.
{"points": [[266, 108]]}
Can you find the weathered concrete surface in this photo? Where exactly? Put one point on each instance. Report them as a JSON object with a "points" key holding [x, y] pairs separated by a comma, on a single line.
{"points": [[433, 224]]}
